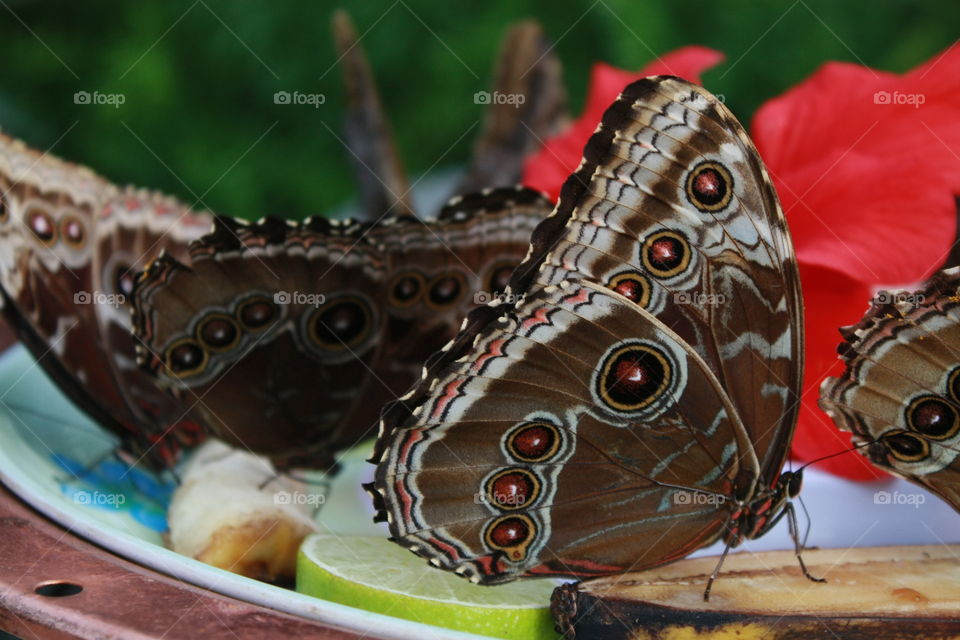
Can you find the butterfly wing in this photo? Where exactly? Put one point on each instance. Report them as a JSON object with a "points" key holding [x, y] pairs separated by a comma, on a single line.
{"points": [[45, 275], [527, 105], [535, 455], [383, 183], [672, 206], [354, 311], [131, 229], [62, 228], [268, 334], [672, 213], [900, 392], [442, 269]]}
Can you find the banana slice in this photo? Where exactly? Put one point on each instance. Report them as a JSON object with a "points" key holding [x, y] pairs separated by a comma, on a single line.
{"points": [[232, 511], [878, 592]]}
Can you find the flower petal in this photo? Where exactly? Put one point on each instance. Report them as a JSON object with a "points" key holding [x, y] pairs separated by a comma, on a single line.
{"points": [[872, 218], [832, 300], [866, 163]]}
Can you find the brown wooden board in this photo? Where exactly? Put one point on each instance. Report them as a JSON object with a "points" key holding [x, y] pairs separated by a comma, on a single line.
{"points": [[116, 598]]}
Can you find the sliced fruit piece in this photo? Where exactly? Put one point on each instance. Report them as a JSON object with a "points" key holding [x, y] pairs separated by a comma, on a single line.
{"points": [[372, 573], [875, 592]]}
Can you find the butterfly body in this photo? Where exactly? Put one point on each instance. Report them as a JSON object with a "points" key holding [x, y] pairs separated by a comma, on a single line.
{"points": [[636, 401]]}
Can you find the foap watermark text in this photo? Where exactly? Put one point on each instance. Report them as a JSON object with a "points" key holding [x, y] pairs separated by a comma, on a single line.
{"points": [[299, 98], [899, 498], [486, 297], [899, 98], [96, 98], [299, 297], [497, 97], [99, 297]]}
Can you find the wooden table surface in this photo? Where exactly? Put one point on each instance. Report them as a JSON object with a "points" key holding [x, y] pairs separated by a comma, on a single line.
{"points": [[116, 598], [54, 584]]}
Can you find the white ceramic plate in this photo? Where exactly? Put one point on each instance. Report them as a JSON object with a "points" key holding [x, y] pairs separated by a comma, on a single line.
{"points": [[43, 436]]}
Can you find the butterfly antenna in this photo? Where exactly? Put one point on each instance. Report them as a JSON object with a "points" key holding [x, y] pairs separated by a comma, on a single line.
{"points": [[838, 453]]}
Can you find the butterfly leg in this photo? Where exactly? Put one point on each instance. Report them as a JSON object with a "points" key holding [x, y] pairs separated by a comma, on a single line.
{"points": [[716, 572], [791, 514]]}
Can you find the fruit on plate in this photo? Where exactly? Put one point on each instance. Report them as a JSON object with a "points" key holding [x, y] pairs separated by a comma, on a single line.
{"points": [[871, 592], [372, 573], [234, 512]]}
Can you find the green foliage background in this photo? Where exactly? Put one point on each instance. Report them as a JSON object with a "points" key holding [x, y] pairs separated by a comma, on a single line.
{"points": [[199, 76]]}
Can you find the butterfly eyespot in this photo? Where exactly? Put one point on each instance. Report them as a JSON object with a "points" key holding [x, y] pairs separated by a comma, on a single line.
{"points": [[41, 224], [633, 286], [446, 290], [72, 231], [953, 385], [185, 358], [709, 186], [406, 288], [906, 447], [341, 324], [256, 313], [632, 377], [218, 332], [665, 254], [499, 277], [536, 441], [512, 535], [932, 417], [512, 489]]}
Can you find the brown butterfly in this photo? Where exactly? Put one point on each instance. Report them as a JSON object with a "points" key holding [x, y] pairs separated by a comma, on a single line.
{"points": [[345, 313], [71, 244], [288, 338], [900, 391], [635, 399]]}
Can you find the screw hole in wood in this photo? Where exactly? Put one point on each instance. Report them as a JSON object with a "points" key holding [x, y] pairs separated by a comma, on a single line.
{"points": [[57, 589]]}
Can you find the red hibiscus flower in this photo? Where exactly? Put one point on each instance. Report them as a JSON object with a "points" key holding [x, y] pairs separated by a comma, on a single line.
{"points": [[865, 163]]}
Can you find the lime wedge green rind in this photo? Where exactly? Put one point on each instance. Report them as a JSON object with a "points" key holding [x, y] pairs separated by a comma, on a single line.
{"points": [[374, 574]]}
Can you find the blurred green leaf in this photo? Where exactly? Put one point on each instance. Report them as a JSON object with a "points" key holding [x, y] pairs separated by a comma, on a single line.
{"points": [[199, 77]]}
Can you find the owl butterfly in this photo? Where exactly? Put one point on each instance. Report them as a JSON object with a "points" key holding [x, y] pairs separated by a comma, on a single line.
{"points": [[900, 391], [70, 246], [637, 401], [288, 338]]}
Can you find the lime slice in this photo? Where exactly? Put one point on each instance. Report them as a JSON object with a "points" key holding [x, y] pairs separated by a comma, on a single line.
{"points": [[375, 574]]}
